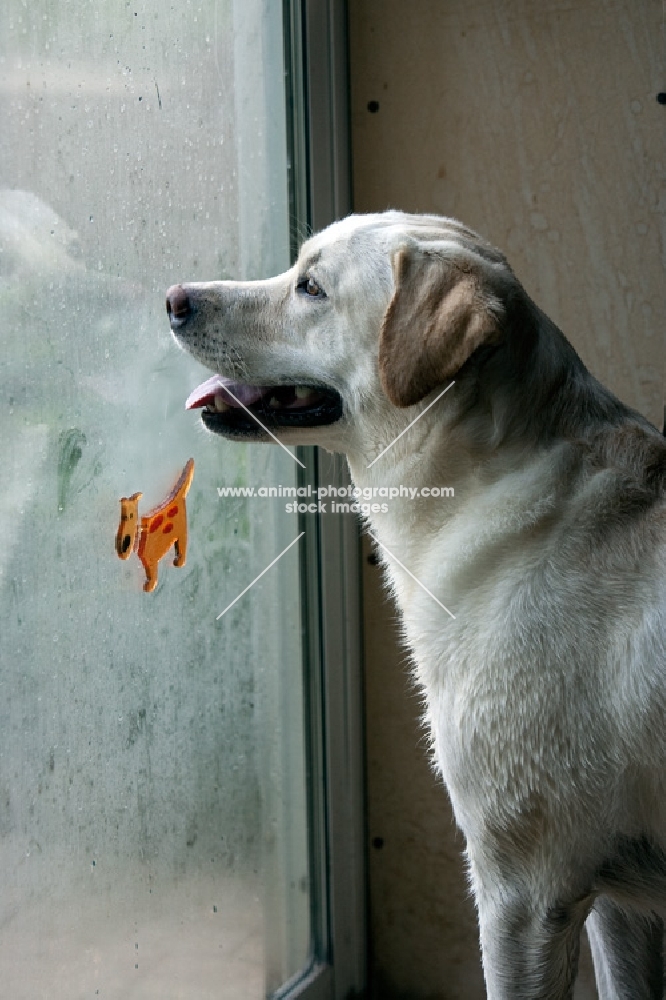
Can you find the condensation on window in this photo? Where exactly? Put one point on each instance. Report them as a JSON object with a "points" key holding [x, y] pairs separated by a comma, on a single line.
{"points": [[153, 829]]}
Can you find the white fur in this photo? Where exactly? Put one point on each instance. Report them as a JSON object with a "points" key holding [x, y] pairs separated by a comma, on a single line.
{"points": [[545, 695]]}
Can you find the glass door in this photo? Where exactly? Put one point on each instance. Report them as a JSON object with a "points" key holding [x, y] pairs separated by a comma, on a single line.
{"points": [[155, 762]]}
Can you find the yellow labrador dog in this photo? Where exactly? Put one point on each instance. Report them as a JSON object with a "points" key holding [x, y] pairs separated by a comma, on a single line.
{"points": [[534, 601]]}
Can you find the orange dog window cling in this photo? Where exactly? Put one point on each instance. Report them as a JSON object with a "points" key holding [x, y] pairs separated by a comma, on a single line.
{"points": [[153, 535]]}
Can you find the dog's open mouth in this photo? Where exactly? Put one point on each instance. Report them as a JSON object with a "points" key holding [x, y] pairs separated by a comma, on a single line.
{"points": [[237, 409]]}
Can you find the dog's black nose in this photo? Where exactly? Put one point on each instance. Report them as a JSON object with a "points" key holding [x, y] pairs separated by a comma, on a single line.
{"points": [[177, 305]]}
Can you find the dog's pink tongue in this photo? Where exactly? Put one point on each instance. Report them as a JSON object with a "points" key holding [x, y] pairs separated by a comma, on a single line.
{"points": [[233, 393]]}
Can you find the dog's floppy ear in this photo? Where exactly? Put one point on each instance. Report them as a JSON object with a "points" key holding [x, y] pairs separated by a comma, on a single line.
{"points": [[439, 314]]}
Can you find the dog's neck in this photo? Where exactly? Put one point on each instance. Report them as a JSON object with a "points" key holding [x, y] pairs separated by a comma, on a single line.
{"points": [[476, 437], [432, 457]]}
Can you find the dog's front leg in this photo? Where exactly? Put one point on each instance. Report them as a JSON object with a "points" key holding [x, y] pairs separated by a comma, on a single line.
{"points": [[627, 952], [530, 950]]}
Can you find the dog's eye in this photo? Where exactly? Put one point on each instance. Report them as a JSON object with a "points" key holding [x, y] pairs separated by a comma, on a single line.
{"points": [[310, 287]]}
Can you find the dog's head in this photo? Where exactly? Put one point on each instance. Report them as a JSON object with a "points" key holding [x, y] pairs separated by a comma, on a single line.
{"points": [[377, 313], [129, 525]]}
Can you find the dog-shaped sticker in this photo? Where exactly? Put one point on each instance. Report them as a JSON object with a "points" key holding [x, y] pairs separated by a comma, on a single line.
{"points": [[153, 535]]}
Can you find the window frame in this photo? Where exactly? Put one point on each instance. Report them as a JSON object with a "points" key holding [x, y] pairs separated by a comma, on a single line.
{"points": [[317, 80]]}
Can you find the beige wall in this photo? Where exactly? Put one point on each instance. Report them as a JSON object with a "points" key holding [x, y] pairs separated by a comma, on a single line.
{"points": [[538, 125]]}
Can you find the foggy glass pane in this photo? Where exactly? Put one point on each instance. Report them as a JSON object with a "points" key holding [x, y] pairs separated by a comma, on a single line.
{"points": [[153, 834]]}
